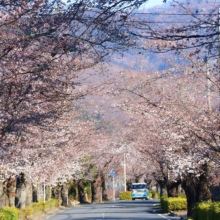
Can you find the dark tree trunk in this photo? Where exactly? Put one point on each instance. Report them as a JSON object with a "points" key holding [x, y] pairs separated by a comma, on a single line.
{"points": [[29, 195], [129, 185], [96, 189], [138, 179], [172, 188], [11, 191], [77, 192], [64, 194], [104, 192], [197, 189], [47, 193], [20, 198], [81, 192], [190, 187], [163, 189], [34, 191], [180, 190], [148, 182]]}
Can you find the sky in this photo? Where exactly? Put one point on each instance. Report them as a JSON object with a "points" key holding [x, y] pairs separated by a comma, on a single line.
{"points": [[152, 3]]}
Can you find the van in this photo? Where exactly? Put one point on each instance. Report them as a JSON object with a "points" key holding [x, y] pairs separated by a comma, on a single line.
{"points": [[139, 191]]}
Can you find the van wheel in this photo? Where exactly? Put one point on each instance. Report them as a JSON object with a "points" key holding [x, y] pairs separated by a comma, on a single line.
{"points": [[133, 198], [146, 198]]}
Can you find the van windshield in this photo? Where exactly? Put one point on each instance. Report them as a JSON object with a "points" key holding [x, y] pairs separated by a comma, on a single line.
{"points": [[139, 186]]}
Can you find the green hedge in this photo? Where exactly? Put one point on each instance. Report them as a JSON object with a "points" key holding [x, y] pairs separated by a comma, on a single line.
{"points": [[46, 205], [207, 211], [38, 207], [182, 195], [54, 203], [173, 204], [153, 194], [12, 213], [29, 210], [5, 215], [125, 195]]}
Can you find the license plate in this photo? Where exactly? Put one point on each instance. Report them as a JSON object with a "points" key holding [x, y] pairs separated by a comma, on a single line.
{"points": [[139, 191]]}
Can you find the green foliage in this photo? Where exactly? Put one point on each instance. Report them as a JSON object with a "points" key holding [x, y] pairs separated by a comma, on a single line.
{"points": [[216, 210], [157, 195], [125, 195], [46, 205], [38, 207], [22, 213], [207, 211], [153, 194], [181, 195], [86, 159], [14, 212], [87, 187], [72, 191], [173, 204], [5, 215], [54, 203], [29, 210]]}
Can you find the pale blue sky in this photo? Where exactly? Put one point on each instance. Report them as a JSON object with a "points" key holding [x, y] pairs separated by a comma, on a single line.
{"points": [[149, 4], [152, 3]]}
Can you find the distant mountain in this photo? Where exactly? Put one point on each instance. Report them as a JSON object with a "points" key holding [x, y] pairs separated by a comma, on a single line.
{"points": [[161, 17]]}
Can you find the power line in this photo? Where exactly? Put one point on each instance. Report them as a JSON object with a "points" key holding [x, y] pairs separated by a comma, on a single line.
{"points": [[146, 13]]}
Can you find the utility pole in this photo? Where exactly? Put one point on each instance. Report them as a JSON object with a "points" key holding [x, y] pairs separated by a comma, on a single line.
{"points": [[125, 187], [208, 83], [113, 188], [44, 192], [219, 56]]}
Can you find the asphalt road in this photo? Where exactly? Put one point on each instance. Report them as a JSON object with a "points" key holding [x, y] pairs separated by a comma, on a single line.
{"points": [[121, 210]]}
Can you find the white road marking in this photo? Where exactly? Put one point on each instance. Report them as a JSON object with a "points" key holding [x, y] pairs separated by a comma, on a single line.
{"points": [[163, 216]]}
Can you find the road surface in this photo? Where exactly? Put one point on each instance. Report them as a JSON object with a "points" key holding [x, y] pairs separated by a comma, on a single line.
{"points": [[119, 210]]}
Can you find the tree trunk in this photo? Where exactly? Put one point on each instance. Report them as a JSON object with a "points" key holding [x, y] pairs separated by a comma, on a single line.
{"points": [[139, 179], [29, 195], [11, 189], [47, 193], [39, 189], [34, 191], [172, 188], [129, 185], [59, 195], [104, 192], [2, 195], [163, 190], [20, 198], [81, 192], [96, 189], [197, 189], [77, 192], [179, 190], [64, 194]]}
